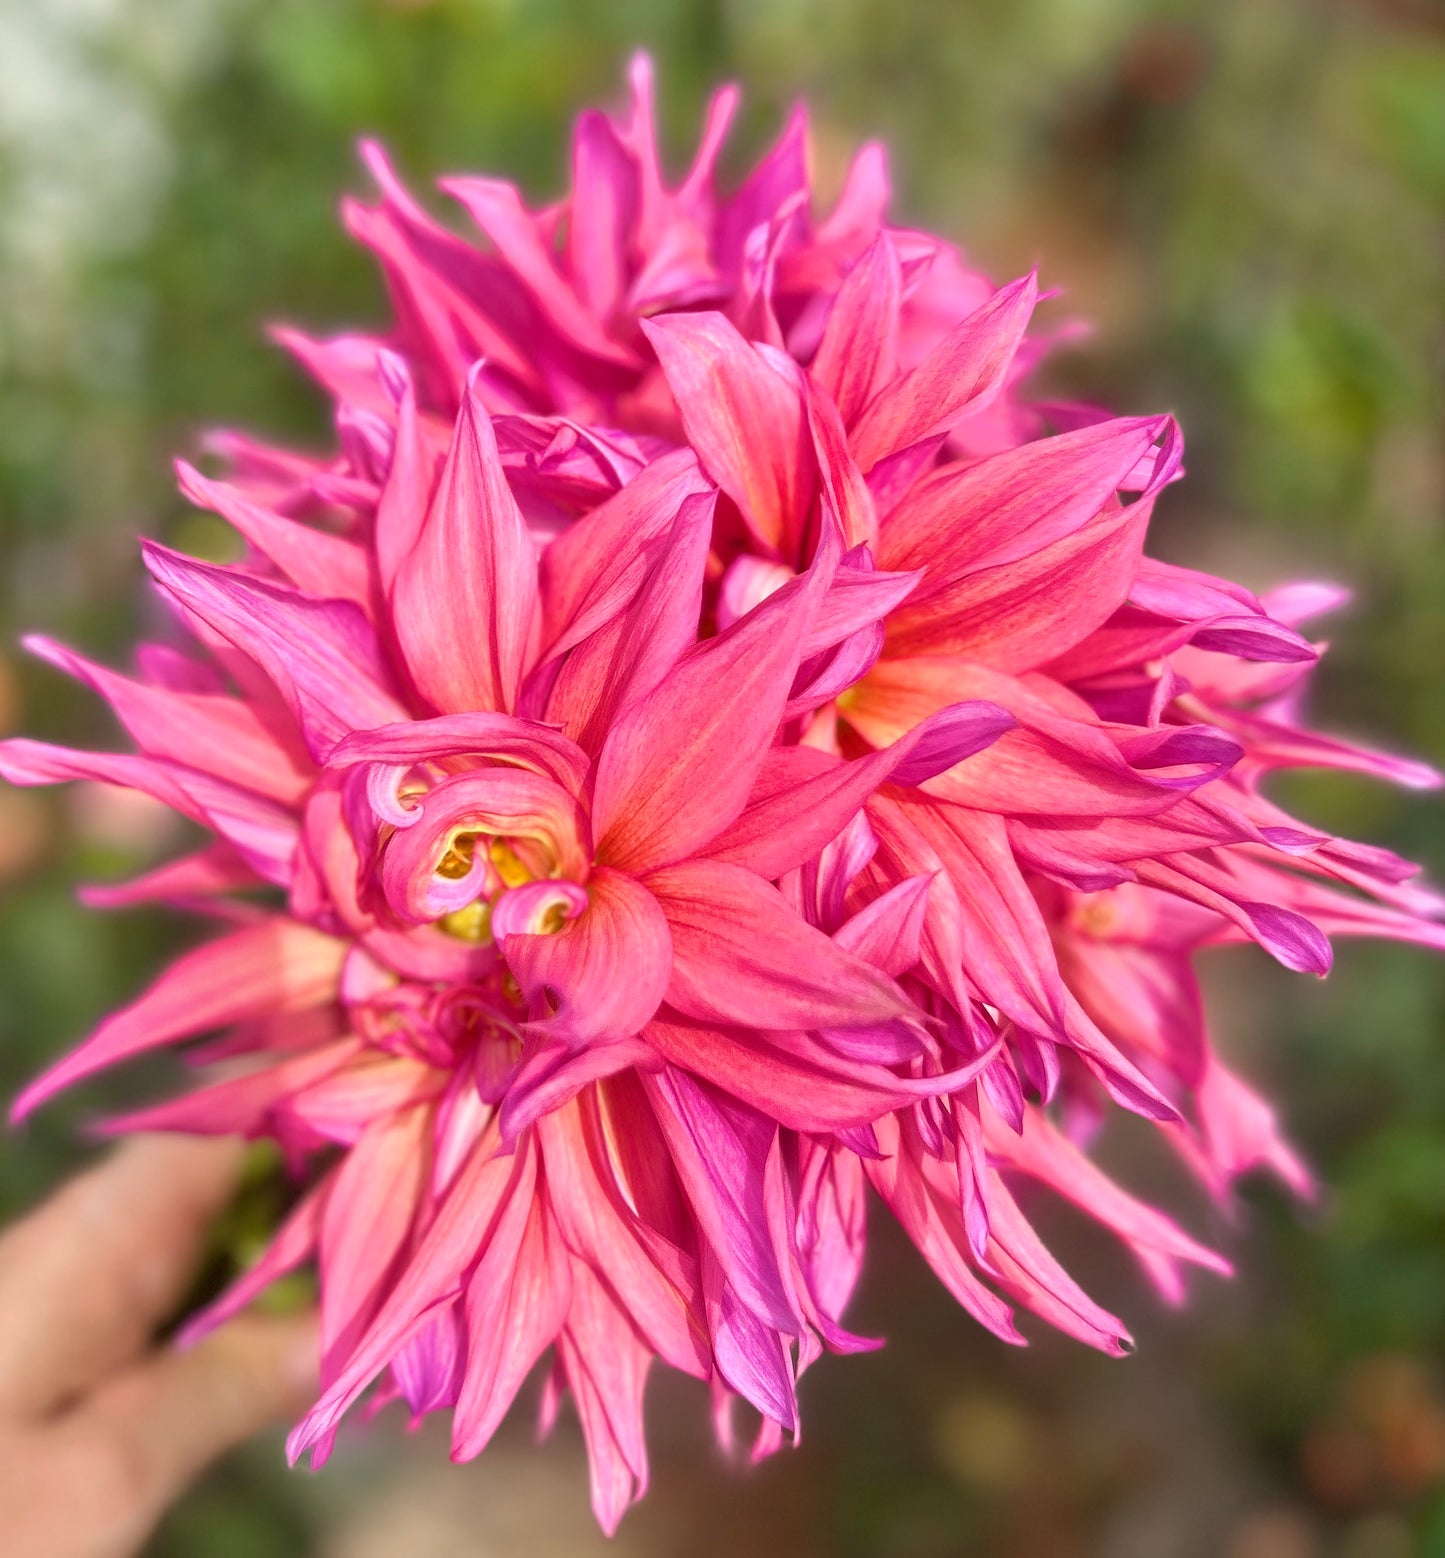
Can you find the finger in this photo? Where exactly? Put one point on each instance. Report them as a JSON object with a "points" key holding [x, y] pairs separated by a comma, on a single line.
{"points": [[85, 1279], [149, 1432]]}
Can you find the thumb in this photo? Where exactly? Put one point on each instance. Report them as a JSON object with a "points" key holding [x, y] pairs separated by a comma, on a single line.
{"points": [[170, 1416]]}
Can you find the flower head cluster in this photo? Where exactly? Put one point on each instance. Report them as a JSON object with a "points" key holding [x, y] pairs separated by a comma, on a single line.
{"points": [[704, 744]]}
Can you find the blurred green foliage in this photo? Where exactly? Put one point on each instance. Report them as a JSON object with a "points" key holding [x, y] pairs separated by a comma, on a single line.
{"points": [[1246, 196]]}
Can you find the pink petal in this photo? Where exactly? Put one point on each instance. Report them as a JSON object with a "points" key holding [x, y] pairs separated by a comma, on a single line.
{"points": [[1044, 1152], [428, 1368], [593, 570], [627, 657], [365, 1224], [455, 305], [603, 193], [651, 1279], [1287, 936], [451, 1245], [405, 497], [961, 374], [888, 931], [858, 354], [720, 1149], [321, 654], [554, 1073], [1022, 615], [791, 1077], [516, 1302], [243, 1105], [677, 765], [275, 966], [315, 561], [986, 513], [293, 1243], [781, 175], [212, 871], [538, 747], [1238, 1132], [605, 970], [1061, 761], [744, 419], [497, 209], [263, 833], [1027, 1270], [998, 935], [465, 597], [219, 735], [803, 799], [741, 955], [606, 1366], [936, 1228], [751, 1355]]}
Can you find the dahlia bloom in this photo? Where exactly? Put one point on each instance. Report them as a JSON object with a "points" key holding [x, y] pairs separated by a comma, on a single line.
{"points": [[703, 745]]}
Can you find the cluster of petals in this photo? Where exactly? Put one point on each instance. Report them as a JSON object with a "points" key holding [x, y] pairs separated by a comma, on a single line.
{"points": [[704, 743]]}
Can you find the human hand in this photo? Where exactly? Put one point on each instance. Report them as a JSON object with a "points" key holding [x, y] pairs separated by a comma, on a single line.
{"points": [[101, 1429]]}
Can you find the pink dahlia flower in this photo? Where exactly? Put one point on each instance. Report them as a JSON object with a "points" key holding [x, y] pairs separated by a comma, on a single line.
{"points": [[698, 749]]}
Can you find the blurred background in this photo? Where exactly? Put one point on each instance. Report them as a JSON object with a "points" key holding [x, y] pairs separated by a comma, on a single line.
{"points": [[1247, 197]]}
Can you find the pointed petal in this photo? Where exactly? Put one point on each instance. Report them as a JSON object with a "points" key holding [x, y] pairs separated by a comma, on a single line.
{"points": [[649, 1278], [243, 1105], [1061, 761], [603, 196], [458, 1235], [497, 209], [858, 354], [742, 955], [779, 177], [594, 569], [554, 1073], [752, 1357], [744, 419], [791, 1077], [627, 657], [217, 869], [219, 735], [1002, 941], [986, 513], [803, 799], [1031, 1274], [321, 654], [516, 1302], [935, 1228], [315, 561], [262, 832], [677, 765], [606, 1365], [405, 497], [368, 1216], [888, 931], [293, 1243], [1044, 1152], [1286, 935], [464, 599], [427, 1369], [1238, 1132], [1019, 603], [963, 373], [275, 966], [1022, 615], [721, 1149]]}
